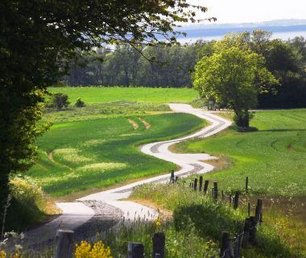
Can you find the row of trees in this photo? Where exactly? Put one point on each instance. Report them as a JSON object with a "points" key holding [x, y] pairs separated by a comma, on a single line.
{"points": [[173, 66], [126, 65]]}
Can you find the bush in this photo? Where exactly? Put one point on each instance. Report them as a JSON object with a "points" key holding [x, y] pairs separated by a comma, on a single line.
{"points": [[59, 101], [79, 103]]}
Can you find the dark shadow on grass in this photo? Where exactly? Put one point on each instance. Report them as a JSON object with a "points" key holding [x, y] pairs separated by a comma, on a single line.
{"points": [[250, 129], [209, 220], [283, 130]]}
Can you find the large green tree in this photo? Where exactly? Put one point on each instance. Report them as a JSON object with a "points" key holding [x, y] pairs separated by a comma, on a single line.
{"points": [[233, 76], [37, 36]]}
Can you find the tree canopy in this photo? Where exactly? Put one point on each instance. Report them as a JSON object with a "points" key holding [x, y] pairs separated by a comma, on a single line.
{"points": [[233, 77]]}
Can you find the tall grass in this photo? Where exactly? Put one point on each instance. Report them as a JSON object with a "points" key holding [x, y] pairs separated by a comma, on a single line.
{"points": [[209, 218]]}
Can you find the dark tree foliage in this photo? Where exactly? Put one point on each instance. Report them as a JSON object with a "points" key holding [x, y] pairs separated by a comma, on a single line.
{"points": [[287, 62], [148, 66], [36, 37]]}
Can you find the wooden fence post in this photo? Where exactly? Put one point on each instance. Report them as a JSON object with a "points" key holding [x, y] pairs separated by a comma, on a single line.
{"points": [[253, 230], [236, 200], [159, 242], [64, 243], [237, 247], [247, 184], [172, 177], [258, 211], [195, 186], [249, 209], [135, 250], [246, 232], [226, 247], [201, 183], [206, 183], [215, 191]]}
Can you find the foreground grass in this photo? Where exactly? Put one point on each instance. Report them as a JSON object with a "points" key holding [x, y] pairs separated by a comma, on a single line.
{"points": [[206, 219], [93, 153], [273, 157], [93, 95]]}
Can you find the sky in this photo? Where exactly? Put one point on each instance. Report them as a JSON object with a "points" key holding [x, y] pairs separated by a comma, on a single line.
{"points": [[240, 11]]}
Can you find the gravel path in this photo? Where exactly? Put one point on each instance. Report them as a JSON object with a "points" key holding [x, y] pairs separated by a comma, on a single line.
{"points": [[103, 210]]}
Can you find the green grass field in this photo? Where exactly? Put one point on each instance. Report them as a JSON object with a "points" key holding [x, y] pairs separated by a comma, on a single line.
{"points": [[273, 157], [274, 160], [93, 95], [98, 146]]}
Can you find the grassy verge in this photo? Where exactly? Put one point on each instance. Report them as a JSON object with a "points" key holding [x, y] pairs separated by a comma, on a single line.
{"points": [[206, 219]]}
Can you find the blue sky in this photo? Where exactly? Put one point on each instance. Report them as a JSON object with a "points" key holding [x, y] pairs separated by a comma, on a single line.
{"points": [[228, 11]]}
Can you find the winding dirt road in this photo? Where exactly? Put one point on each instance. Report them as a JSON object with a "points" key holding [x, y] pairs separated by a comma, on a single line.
{"points": [[76, 214]]}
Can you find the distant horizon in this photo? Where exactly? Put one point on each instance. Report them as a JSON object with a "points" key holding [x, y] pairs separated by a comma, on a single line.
{"points": [[282, 29], [289, 21]]}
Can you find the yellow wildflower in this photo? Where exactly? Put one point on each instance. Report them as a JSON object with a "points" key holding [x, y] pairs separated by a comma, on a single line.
{"points": [[2, 254], [97, 250]]}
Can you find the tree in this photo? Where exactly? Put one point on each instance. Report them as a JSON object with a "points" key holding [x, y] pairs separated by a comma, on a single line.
{"points": [[39, 37], [230, 76]]}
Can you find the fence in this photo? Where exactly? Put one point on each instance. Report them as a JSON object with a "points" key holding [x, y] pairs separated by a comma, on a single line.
{"points": [[230, 247]]}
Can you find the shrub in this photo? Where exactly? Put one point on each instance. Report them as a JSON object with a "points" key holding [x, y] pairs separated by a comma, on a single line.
{"points": [[59, 101], [79, 103]]}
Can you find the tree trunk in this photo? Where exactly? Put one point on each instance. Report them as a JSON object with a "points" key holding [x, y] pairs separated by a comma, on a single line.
{"points": [[4, 192], [242, 118]]}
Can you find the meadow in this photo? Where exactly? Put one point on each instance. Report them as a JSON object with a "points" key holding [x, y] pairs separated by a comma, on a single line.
{"points": [[94, 95], [273, 157]]}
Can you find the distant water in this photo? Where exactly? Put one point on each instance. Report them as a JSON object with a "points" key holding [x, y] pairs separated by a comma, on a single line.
{"points": [[275, 35]]}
